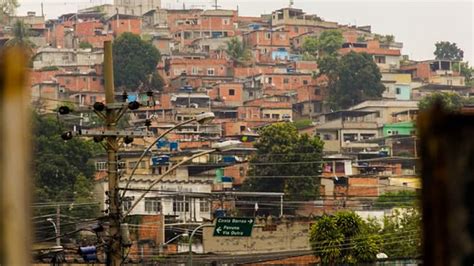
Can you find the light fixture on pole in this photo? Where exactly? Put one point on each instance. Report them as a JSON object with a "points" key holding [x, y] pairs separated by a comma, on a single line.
{"points": [[58, 239], [222, 146]]}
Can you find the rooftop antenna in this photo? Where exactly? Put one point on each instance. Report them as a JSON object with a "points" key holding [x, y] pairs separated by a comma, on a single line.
{"points": [[215, 5], [42, 11]]}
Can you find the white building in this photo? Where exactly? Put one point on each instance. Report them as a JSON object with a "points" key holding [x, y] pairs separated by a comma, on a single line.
{"points": [[187, 201]]}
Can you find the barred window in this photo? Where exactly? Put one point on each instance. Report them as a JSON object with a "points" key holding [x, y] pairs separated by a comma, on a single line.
{"points": [[153, 205]]}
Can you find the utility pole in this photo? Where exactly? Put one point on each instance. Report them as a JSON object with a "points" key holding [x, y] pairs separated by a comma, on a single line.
{"points": [[114, 252], [111, 112], [58, 225]]}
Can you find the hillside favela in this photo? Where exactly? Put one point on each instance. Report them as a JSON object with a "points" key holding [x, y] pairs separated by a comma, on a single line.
{"points": [[135, 132]]}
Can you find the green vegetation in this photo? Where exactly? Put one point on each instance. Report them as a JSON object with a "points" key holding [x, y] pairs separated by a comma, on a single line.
{"points": [[466, 71], [64, 178], [49, 68], [302, 123], [7, 8], [278, 146], [403, 198], [238, 52], [135, 61], [352, 79], [20, 37], [347, 239], [328, 43], [449, 101], [448, 51], [344, 239], [85, 45]]}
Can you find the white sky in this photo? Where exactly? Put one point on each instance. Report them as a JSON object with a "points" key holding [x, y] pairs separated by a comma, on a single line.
{"points": [[418, 24]]}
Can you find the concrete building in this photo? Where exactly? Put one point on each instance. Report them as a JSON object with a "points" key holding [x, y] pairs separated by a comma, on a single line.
{"points": [[343, 130], [385, 108], [297, 22], [49, 57], [136, 7], [439, 72], [387, 60]]}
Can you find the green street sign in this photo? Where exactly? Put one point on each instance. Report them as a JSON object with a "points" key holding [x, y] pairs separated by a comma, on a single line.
{"points": [[234, 226]]}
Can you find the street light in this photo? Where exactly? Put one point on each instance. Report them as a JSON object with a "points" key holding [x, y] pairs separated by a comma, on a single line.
{"points": [[200, 118], [58, 239], [221, 147]]}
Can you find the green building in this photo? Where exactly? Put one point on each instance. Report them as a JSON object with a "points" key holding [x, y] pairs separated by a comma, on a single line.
{"points": [[401, 128]]}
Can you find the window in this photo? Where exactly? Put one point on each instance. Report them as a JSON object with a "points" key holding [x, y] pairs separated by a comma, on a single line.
{"points": [[275, 116], [204, 206], [179, 205], [350, 137], [285, 80], [153, 205], [250, 93], [317, 91], [132, 164], [269, 80], [397, 90], [127, 204], [231, 92], [296, 29], [379, 59], [225, 21], [367, 136], [94, 79], [305, 82], [327, 137], [93, 99], [242, 128], [268, 35], [210, 71], [195, 71]]}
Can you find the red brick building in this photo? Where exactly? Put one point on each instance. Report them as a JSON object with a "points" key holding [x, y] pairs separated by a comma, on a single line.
{"points": [[125, 23]]}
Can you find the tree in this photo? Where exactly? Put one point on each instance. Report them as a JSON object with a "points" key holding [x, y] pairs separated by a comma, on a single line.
{"points": [[449, 101], [134, 61], [344, 239], [85, 45], [448, 51], [7, 8], [154, 82], [466, 71], [403, 231], [20, 37], [330, 41], [83, 193], [238, 51], [279, 164], [352, 79], [57, 164], [310, 47]]}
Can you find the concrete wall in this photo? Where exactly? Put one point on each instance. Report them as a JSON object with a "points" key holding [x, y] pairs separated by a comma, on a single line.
{"points": [[270, 238]]}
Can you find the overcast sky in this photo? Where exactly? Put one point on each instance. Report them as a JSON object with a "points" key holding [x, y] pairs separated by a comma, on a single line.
{"points": [[418, 24]]}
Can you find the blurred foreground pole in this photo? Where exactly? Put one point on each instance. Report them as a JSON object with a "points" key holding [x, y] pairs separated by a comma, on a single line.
{"points": [[447, 153], [15, 131]]}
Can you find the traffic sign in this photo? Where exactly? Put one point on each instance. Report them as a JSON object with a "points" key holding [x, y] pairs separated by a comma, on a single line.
{"points": [[234, 226]]}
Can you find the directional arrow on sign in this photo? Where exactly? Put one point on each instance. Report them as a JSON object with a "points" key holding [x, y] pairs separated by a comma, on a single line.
{"points": [[218, 230], [250, 221]]}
